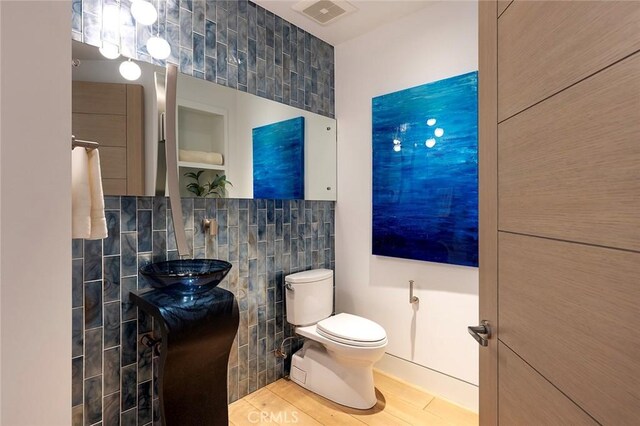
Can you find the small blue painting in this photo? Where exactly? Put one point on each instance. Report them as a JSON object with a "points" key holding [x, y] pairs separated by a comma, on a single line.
{"points": [[278, 160], [425, 172]]}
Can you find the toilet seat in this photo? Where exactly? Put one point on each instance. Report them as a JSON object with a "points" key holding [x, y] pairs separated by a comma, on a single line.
{"points": [[352, 330]]}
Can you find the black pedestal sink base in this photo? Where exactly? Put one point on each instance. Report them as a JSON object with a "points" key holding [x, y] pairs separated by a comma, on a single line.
{"points": [[197, 335]]}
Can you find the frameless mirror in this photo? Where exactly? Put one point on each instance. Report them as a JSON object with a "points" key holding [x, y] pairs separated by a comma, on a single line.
{"points": [[263, 148]]}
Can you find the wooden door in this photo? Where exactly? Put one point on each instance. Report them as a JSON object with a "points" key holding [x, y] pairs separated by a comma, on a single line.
{"points": [[113, 115], [559, 164]]}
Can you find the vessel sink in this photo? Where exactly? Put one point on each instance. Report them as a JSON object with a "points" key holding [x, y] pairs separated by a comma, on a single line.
{"points": [[186, 275]]}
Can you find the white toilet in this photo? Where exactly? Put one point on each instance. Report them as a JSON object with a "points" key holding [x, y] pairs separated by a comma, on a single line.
{"points": [[336, 361]]}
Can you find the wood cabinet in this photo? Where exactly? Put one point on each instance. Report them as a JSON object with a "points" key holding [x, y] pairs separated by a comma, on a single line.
{"points": [[113, 115]]}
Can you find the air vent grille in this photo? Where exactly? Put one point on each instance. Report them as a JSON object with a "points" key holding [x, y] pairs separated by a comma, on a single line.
{"points": [[324, 12]]}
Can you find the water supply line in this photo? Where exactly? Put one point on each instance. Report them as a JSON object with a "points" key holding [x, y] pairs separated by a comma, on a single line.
{"points": [[171, 150], [280, 353]]}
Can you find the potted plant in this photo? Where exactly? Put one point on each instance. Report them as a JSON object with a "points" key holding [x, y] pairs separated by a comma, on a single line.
{"points": [[216, 188]]}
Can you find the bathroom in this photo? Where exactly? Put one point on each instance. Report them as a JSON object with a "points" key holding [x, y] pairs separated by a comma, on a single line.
{"points": [[74, 345]]}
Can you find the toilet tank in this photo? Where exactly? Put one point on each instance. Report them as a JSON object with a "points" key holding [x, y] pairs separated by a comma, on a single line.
{"points": [[309, 296]]}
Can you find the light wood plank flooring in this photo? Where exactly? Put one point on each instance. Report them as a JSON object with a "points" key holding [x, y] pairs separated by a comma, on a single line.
{"points": [[284, 403]]}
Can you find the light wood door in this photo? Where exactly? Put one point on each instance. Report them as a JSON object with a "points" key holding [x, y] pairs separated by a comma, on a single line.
{"points": [[559, 169], [113, 115]]}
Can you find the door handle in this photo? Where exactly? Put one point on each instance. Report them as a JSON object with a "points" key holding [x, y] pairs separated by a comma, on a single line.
{"points": [[482, 332]]}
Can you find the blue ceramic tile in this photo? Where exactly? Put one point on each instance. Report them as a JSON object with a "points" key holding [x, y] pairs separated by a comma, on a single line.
{"points": [[186, 61], [210, 38], [112, 371], [173, 37], [93, 304], [77, 248], [129, 387], [112, 242], [198, 16], [129, 254], [76, 283], [77, 332], [92, 352], [187, 4], [173, 11], [144, 260], [144, 231], [159, 246], [92, 260], [210, 68], [185, 28], [144, 363], [111, 278], [144, 403], [198, 52], [232, 76], [129, 342], [159, 213], [128, 212], [130, 417], [129, 311], [76, 381], [232, 15], [221, 25], [221, 56], [210, 9], [111, 324], [93, 400], [144, 203], [111, 409]]}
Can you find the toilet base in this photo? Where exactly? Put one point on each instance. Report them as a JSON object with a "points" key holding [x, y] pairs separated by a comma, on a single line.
{"points": [[342, 380]]}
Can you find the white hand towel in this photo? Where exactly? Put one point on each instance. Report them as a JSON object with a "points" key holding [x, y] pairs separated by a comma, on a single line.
{"points": [[80, 194], [214, 158], [98, 221]]}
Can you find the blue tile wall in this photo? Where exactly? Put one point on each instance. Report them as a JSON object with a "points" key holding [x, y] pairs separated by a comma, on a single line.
{"points": [[233, 43], [114, 377]]}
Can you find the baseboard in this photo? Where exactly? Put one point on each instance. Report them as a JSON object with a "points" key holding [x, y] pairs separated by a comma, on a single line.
{"points": [[439, 384]]}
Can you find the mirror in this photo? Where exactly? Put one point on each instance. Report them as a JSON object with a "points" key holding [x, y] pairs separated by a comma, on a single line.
{"points": [[264, 148]]}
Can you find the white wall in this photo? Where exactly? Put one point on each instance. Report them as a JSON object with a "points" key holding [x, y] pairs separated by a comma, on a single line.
{"points": [[35, 217], [437, 42]]}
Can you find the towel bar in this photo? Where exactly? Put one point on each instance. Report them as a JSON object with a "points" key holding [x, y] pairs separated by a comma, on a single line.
{"points": [[84, 144]]}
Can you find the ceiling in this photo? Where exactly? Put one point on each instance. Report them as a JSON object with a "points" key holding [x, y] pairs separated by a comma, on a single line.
{"points": [[369, 15]]}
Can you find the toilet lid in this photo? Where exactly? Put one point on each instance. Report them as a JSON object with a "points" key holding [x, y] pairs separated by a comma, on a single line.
{"points": [[347, 328]]}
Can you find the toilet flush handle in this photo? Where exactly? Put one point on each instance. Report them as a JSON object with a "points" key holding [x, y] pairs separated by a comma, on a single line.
{"points": [[288, 286]]}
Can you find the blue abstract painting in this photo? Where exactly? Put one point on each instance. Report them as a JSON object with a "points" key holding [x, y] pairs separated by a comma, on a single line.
{"points": [[425, 172], [278, 160]]}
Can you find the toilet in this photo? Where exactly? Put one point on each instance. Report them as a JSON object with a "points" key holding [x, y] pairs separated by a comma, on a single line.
{"points": [[336, 360]]}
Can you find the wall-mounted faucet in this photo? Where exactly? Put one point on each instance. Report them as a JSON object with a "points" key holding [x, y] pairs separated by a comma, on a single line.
{"points": [[412, 299]]}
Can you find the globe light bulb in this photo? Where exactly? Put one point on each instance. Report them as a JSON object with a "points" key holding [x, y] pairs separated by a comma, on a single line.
{"points": [[431, 122], [109, 50], [130, 70], [143, 12], [158, 48], [430, 143], [397, 148], [439, 132]]}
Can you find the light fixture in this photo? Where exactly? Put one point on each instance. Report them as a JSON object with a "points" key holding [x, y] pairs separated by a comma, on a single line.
{"points": [[130, 70], [430, 143], [396, 142], [439, 132], [143, 12], [397, 148], [109, 50], [431, 122], [158, 47]]}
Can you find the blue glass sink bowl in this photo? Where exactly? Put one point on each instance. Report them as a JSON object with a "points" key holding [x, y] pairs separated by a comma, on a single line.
{"points": [[186, 275]]}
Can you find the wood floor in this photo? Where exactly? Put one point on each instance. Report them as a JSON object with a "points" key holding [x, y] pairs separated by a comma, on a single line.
{"points": [[284, 402]]}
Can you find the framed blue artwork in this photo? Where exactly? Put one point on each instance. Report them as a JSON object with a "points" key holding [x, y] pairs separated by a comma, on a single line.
{"points": [[425, 172], [278, 160]]}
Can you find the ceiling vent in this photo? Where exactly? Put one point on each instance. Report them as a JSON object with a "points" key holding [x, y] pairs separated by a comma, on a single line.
{"points": [[324, 12]]}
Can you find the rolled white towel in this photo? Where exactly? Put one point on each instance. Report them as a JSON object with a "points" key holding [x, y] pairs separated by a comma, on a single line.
{"points": [[214, 158], [80, 194], [98, 221]]}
